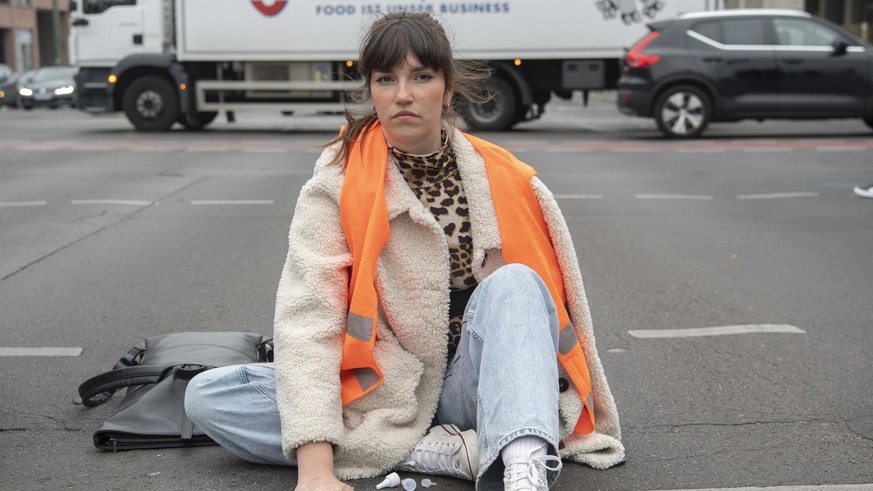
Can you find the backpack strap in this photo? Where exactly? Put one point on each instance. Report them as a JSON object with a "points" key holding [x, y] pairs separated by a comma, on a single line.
{"points": [[99, 389], [265, 349]]}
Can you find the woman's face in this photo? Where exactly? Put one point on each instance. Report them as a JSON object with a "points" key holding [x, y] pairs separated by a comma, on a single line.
{"points": [[409, 102]]}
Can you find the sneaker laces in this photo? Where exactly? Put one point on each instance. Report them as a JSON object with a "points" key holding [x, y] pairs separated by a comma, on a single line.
{"points": [[534, 471], [440, 456]]}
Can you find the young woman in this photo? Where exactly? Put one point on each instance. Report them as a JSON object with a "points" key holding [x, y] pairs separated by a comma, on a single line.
{"points": [[431, 315]]}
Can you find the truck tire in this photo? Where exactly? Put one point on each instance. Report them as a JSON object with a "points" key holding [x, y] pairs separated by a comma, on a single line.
{"points": [[151, 104], [202, 120], [498, 113], [683, 111]]}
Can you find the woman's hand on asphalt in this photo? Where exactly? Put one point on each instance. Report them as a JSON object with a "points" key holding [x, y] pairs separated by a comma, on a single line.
{"points": [[322, 483]]}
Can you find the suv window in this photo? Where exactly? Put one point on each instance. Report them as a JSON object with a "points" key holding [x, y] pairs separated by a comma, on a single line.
{"points": [[800, 32], [710, 29], [743, 31], [733, 31]]}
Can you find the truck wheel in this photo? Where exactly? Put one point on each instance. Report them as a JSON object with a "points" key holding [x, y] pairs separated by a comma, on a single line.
{"points": [[683, 112], [498, 113], [151, 104], [202, 120]]}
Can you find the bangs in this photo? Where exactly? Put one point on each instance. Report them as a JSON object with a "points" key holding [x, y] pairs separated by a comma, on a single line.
{"points": [[389, 48]]}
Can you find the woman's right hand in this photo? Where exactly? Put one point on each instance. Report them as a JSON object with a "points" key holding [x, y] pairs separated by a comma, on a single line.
{"points": [[322, 483], [315, 469]]}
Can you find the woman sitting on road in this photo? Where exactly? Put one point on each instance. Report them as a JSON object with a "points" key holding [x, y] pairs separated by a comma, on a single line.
{"points": [[431, 315]]}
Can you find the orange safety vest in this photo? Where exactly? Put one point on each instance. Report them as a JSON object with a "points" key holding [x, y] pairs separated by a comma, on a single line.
{"points": [[524, 237]]}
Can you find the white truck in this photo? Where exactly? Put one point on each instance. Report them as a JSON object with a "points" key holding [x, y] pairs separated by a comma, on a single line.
{"points": [[169, 61]]}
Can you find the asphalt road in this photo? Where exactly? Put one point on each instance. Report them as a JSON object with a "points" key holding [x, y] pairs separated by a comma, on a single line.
{"points": [[108, 236]]}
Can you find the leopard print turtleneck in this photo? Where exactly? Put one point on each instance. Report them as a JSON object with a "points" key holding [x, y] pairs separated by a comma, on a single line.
{"points": [[436, 181]]}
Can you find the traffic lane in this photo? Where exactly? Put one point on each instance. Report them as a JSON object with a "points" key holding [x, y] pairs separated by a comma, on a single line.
{"points": [[174, 267], [600, 121], [660, 264], [49, 200]]}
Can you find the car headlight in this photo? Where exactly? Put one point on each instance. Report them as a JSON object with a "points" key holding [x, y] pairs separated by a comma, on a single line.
{"points": [[65, 90], [25, 92]]}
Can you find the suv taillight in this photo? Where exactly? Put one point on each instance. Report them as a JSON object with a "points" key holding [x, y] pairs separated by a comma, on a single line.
{"points": [[637, 59]]}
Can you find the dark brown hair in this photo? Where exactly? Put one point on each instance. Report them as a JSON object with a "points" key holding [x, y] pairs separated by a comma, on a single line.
{"points": [[386, 45]]}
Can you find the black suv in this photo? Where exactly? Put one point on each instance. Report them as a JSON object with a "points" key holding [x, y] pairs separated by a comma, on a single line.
{"points": [[746, 64]]}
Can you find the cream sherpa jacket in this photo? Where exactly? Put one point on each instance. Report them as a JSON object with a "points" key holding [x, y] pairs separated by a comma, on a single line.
{"points": [[374, 433]]}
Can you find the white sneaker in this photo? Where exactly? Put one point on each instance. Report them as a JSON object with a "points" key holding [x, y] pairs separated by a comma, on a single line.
{"points": [[445, 451], [864, 192], [530, 475]]}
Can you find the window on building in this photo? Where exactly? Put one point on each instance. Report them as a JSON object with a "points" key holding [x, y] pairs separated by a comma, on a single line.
{"points": [[24, 49], [22, 3], [98, 6]]}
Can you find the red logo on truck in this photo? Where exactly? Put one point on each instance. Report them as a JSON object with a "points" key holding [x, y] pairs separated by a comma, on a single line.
{"points": [[269, 10]]}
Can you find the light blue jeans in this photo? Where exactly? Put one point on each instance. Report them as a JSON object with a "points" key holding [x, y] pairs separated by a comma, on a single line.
{"points": [[502, 381]]}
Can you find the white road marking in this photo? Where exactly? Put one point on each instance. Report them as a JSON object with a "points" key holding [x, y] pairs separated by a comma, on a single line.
{"points": [[777, 195], [21, 203], [673, 196], [265, 150], [842, 149], [578, 196], [716, 331], [568, 150], [811, 487], [9, 351], [131, 202], [232, 202], [767, 149], [702, 150]]}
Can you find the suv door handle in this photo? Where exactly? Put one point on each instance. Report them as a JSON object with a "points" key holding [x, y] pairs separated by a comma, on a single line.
{"points": [[78, 21]]}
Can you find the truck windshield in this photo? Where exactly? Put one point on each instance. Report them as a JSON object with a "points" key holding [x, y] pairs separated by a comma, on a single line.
{"points": [[98, 6]]}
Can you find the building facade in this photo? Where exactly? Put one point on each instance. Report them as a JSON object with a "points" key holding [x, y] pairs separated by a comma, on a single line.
{"points": [[33, 33]]}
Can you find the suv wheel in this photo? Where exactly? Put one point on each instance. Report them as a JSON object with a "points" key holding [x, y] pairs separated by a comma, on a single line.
{"points": [[683, 112]]}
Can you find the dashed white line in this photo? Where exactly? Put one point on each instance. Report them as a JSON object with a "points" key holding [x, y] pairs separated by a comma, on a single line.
{"points": [[265, 150], [702, 150], [131, 202], [811, 487], [232, 202], [578, 196], [767, 149], [842, 149], [716, 331], [44, 351], [777, 195], [568, 150], [673, 196], [12, 204]]}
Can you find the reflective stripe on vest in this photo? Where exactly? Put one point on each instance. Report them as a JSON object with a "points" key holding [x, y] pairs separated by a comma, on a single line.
{"points": [[524, 236]]}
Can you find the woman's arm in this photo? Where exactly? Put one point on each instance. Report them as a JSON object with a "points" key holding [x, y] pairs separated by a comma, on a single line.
{"points": [[311, 310]]}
